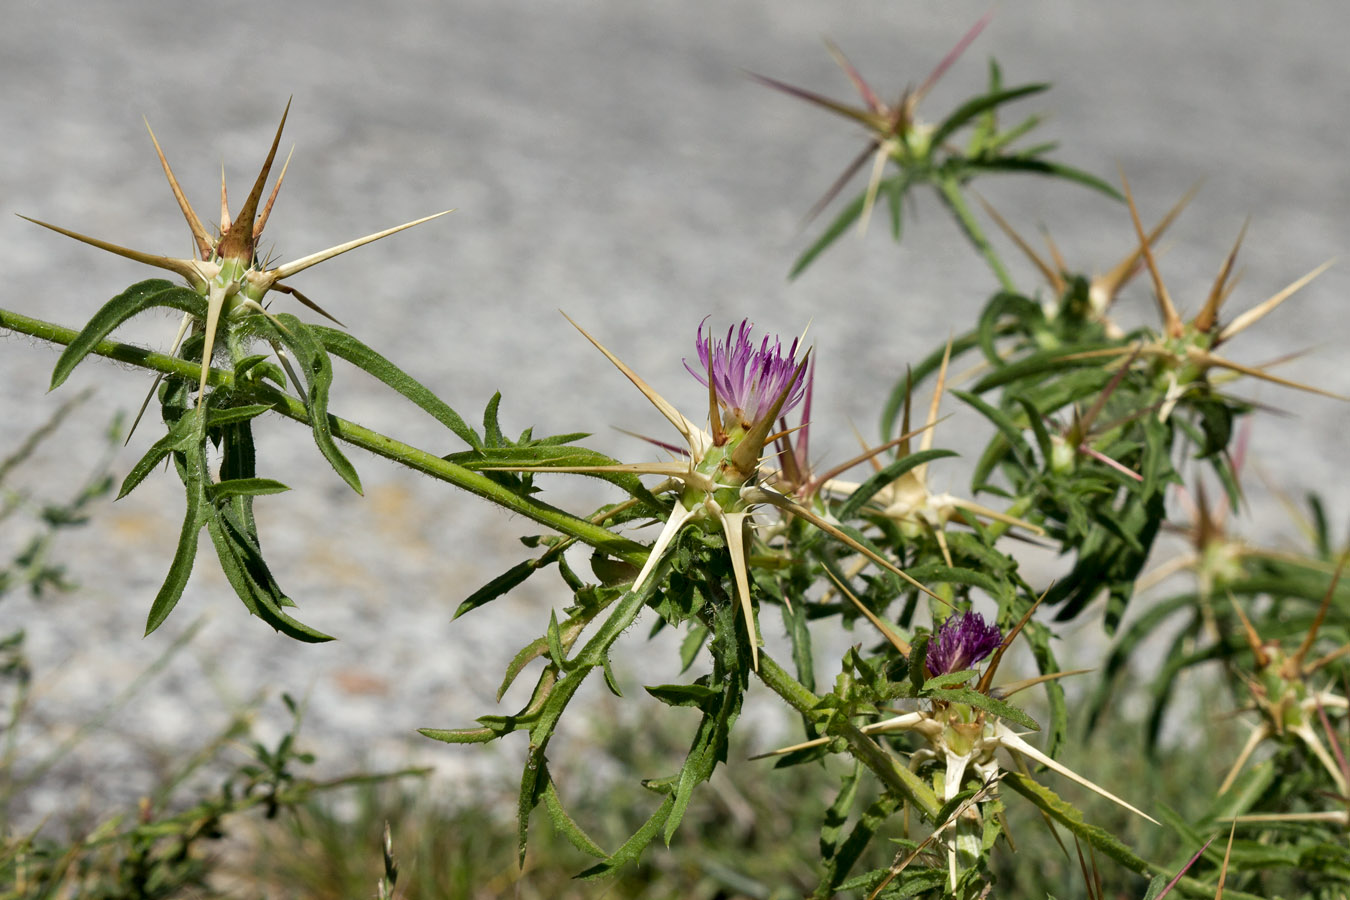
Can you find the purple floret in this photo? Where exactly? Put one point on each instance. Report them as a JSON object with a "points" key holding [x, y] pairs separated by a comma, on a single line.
{"points": [[748, 381], [961, 642]]}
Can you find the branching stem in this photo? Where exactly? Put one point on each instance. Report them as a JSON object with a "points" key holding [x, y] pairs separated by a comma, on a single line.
{"points": [[354, 434]]}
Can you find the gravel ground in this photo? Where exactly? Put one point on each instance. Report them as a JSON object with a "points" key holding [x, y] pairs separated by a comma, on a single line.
{"points": [[610, 159]]}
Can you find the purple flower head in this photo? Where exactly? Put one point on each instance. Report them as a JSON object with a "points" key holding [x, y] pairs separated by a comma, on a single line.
{"points": [[748, 381], [961, 642]]}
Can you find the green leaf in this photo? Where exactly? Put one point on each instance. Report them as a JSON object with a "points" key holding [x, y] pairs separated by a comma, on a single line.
{"points": [[1072, 819], [1044, 167], [692, 643], [803, 660], [836, 870], [171, 591], [345, 346], [550, 455], [991, 705], [502, 584], [217, 418], [1040, 637], [1249, 787], [244, 487], [918, 656], [917, 882], [721, 707], [248, 574], [633, 847], [492, 431], [135, 299], [868, 489], [941, 573], [841, 223], [1004, 310], [895, 401], [567, 825], [1011, 432], [460, 735], [1045, 362], [946, 681], [894, 191], [180, 438], [610, 681], [589, 657], [554, 638], [973, 107], [1038, 429], [696, 695], [318, 373], [837, 815]]}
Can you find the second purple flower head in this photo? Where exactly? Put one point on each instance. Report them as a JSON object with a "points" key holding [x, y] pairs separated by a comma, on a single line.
{"points": [[961, 642]]}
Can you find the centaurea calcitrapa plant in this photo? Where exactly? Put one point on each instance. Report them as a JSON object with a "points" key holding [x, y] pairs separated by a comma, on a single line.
{"points": [[1090, 427]]}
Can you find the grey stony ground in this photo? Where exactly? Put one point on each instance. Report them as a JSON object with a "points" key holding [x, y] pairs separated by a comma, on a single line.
{"points": [[612, 160]]}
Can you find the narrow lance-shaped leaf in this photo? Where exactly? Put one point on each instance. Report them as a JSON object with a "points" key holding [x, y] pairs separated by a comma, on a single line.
{"points": [[312, 356], [345, 346], [134, 300], [180, 569]]}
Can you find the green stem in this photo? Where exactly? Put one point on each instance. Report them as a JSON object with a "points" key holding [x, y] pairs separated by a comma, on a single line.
{"points": [[897, 778], [950, 191], [379, 444]]}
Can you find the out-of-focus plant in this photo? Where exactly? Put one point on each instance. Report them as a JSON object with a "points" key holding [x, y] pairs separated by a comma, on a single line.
{"points": [[1090, 426], [169, 845], [925, 153]]}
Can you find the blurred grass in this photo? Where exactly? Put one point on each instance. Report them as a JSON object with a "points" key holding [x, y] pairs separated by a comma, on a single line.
{"points": [[754, 834]]}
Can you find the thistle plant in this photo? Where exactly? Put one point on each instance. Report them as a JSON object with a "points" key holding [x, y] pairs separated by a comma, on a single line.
{"points": [[739, 534], [229, 275], [960, 729], [923, 153]]}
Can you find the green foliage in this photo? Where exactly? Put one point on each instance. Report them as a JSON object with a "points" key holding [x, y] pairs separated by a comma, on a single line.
{"points": [[169, 845], [1089, 431]]}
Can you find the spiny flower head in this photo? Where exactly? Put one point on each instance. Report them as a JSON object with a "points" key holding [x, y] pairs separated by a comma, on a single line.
{"points": [[961, 642], [961, 737], [229, 273], [1184, 353], [718, 480], [748, 382], [894, 130], [1282, 691]]}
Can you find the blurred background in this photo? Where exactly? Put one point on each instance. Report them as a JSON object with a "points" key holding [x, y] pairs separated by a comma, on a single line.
{"points": [[612, 160]]}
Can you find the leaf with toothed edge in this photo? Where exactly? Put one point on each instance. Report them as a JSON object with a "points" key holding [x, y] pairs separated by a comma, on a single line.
{"points": [[313, 359], [136, 299], [345, 346], [180, 569]]}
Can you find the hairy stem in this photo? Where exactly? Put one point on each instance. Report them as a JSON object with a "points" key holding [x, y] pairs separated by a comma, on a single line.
{"points": [[897, 778], [354, 434]]}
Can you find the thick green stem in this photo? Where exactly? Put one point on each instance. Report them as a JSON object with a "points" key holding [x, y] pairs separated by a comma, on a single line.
{"points": [[357, 435], [950, 191], [897, 778]]}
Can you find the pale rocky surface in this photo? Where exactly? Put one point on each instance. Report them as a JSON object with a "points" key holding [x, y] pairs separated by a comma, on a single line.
{"points": [[610, 159]]}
